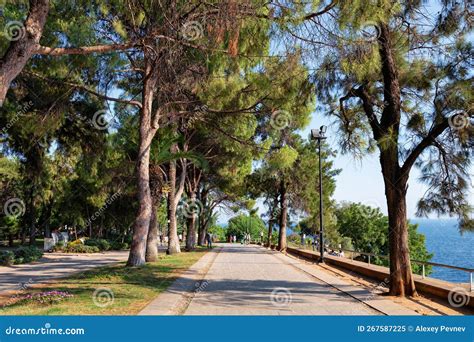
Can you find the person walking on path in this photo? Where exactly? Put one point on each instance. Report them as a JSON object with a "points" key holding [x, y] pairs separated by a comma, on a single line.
{"points": [[209, 240]]}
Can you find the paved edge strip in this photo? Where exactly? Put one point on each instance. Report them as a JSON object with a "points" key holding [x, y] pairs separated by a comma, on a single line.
{"points": [[177, 297], [372, 300]]}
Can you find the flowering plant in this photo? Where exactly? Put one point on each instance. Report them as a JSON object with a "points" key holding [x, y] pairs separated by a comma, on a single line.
{"points": [[48, 297]]}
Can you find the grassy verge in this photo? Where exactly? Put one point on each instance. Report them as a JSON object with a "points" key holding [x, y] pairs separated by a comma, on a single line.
{"points": [[132, 288]]}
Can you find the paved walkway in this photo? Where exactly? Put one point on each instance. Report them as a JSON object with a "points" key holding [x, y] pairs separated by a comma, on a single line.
{"points": [[54, 265], [250, 280]]}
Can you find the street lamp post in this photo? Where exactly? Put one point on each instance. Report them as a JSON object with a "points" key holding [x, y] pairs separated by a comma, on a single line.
{"points": [[319, 134]]}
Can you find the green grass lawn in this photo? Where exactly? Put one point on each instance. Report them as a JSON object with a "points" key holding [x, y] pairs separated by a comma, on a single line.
{"points": [[133, 288]]}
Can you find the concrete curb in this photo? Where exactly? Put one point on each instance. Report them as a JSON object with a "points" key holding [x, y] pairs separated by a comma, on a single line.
{"points": [[384, 306], [428, 286], [176, 298]]}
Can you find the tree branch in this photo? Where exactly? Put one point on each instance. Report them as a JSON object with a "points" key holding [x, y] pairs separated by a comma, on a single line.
{"points": [[429, 140], [83, 50], [367, 104], [82, 87], [321, 12]]}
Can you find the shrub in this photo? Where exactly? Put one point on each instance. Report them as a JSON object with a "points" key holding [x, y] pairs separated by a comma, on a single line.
{"points": [[58, 248], [101, 244], [76, 242], [118, 246], [7, 258], [294, 238], [20, 255], [81, 249], [27, 254]]}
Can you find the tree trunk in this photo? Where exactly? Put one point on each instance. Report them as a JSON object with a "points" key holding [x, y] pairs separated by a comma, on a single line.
{"points": [[191, 223], [202, 220], [23, 45], [401, 276], [32, 215], [202, 233], [23, 235], [152, 238], [283, 217], [142, 221], [395, 177], [270, 232], [173, 240], [271, 221], [191, 234]]}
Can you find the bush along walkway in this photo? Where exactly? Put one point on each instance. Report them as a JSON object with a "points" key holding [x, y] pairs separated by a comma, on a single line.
{"points": [[21, 255], [106, 290]]}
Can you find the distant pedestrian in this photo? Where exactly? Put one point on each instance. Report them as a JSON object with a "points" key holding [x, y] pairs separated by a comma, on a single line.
{"points": [[209, 240]]}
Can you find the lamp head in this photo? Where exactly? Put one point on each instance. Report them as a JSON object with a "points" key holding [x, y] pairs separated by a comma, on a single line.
{"points": [[315, 133]]}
